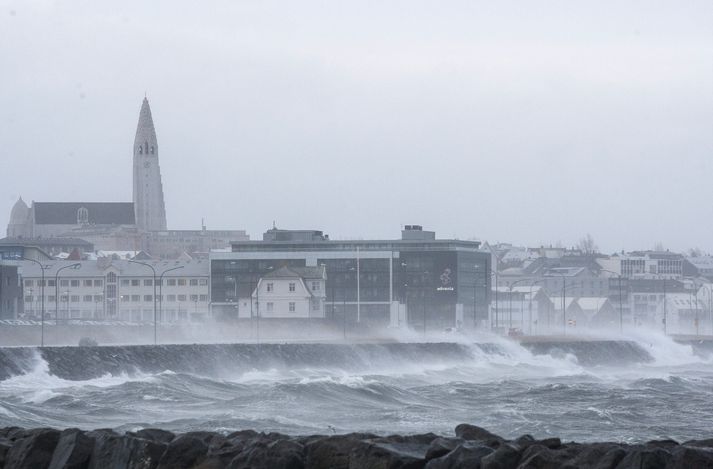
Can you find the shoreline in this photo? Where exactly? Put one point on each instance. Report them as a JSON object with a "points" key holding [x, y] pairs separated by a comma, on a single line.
{"points": [[471, 446]]}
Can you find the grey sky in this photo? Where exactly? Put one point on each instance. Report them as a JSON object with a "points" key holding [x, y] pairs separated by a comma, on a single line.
{"points": [[528, 122]]}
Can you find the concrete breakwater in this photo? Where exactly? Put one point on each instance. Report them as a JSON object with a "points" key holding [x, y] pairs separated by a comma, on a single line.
{"points": [[79, 363], [471, 447]]}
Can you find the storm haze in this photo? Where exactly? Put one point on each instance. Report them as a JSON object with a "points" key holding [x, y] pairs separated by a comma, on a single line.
{"points": [[526, 124]]}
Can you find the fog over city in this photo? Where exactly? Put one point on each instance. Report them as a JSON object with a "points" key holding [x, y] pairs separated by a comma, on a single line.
{"points": [[530, 123]]}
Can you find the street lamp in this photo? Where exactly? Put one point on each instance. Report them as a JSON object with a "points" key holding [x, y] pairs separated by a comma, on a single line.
{"points": [[42, 289], [76, 265], [155, 323], [510, 300], [621, 309], [160, 288]]}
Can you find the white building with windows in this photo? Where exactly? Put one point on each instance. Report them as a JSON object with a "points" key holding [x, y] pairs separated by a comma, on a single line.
{"points": [[117, 290], [289, 292]]}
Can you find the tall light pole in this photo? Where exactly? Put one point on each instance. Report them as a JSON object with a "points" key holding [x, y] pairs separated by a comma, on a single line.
{"points": [[42, 300], [155, 318], [160, 289], [621, 310], [510, 299], [76, 265]]}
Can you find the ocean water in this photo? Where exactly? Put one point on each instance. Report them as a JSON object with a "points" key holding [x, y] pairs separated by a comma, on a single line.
{"points": [[502, 387]]}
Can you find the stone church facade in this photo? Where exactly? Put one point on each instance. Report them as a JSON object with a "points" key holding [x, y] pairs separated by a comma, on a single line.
{"points": [[137, 225]]}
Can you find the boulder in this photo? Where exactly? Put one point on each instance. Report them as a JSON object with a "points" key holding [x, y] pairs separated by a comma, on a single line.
{"points": [[33, 450], [505, 457], [261, 454], [184, 452], [707, 443], [471, 432], [467, 455], [112, 450], [73, 451], [645, 458], [154, 434], [331, 452], [378, 455], [685, 457], [442, 446]]}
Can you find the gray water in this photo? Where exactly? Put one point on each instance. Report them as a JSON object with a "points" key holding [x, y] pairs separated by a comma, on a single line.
{"points": [[384, 390]]}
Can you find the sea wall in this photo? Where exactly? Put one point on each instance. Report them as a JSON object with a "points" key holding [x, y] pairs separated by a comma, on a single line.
{"points": [[471, 447], [78, 363]]}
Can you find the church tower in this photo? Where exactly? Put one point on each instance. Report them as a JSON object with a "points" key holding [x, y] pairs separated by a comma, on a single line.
{"points": [[149, 207]]}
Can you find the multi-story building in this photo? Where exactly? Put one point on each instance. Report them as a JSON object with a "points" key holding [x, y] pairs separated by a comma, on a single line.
{"points": [[10, 292], [108, 289], [418, 279]]}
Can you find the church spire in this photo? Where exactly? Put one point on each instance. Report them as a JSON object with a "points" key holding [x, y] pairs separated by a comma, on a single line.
{"points": [[149, 206]]}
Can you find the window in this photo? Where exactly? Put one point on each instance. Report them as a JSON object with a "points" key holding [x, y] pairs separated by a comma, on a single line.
{"points": [[315, 286], [194, 282], [270, 306], [203, 282], [270, 287], [51, 298], [64, 283], [50, 283], [148, 297], [135, 297], [125, 298], [75, 298], [87, 298], [87, 283], [111, 277], [181, 282], [148, 282], [98, 298], [135, 282], [315, 305], [28, 299], [29, 283], [171, 297], [125, 282], [194, 297], [181, 297], [98, 283], [82, 216], [204, 297], [171, 282], [292, 306], [292, 286], [75, 283]]}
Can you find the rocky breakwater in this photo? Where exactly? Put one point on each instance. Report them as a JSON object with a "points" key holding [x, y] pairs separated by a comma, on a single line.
{"points": [[471, 447]]}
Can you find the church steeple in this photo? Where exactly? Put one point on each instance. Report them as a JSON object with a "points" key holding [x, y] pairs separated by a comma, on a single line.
{"points": [[149, 206]]}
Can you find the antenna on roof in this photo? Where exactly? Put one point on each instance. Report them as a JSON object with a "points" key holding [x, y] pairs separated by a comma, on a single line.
{"points": [[273, 225]]}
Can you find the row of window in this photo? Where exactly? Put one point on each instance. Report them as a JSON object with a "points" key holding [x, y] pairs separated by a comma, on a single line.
{"points": [[169, 298], [65, 283], [291, 287], [171, 282], [124, 298]]}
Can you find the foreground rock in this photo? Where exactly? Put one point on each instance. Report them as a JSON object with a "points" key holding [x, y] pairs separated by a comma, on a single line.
{"points": [[472, 448]]}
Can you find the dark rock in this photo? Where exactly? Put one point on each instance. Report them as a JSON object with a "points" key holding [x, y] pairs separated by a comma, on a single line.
{"points": [[442, 446], [5, 446], [524, 441], [154, 434], [112, 450], [467, 455], [471, 432], [645, 458], [611, 459], [505, 457], [594, 455], [691, 458], [375, 455], [331, 452], [184, 452], [73, 451], [708, 443], [665, 444], [279, 454], [422, 439], [33, 450], [242, 435], [551, 443], [538, 456]]}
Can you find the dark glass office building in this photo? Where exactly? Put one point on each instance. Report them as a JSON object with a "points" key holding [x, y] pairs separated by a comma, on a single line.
{"points": [[416, 280]]}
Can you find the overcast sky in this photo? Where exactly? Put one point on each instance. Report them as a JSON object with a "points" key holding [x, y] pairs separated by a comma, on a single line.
{"points": [[524, 122]]}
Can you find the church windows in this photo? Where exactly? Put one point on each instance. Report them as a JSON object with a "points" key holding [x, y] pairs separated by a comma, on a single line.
{"points": [[82, 216], [146, 147], [141, 150], [152, 150]]}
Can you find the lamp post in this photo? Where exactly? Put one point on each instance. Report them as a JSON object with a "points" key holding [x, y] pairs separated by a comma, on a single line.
{"points": [[529, 307], [76, 265], [510, 300], [42, 300], [160, 289], [155, 322], [621, 309]]}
